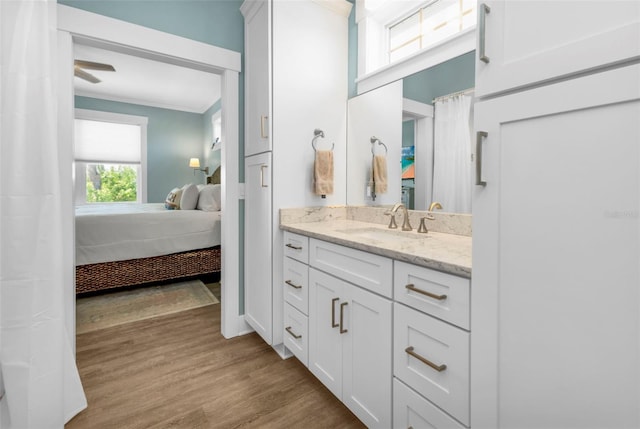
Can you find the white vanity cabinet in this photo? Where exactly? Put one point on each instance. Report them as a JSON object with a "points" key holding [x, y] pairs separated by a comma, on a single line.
{"points": [[296, 295], [295, 82], [531, 41], [350, 328], [389, 338], [431, 354], [556, 228]]}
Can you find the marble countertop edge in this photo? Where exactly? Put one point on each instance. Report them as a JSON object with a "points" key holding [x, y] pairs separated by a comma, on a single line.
{"points": [[443, 252]]}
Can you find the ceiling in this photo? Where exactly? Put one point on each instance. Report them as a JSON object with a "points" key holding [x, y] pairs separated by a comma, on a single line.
{"points": [[147, 82]]}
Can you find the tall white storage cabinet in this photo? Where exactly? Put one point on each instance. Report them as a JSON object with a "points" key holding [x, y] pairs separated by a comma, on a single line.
{"points": [[258, 291], [295, 82], [556, 227]]}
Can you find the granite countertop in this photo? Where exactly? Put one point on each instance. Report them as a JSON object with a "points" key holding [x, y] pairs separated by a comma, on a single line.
{"points": [[444, 252]]}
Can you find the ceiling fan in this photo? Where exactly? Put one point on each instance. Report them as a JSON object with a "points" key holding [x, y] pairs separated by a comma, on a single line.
{"points": [[79, 65]]}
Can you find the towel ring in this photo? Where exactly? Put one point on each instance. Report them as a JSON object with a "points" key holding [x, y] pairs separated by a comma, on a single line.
{"points": [[316, 134], [375, 139]]}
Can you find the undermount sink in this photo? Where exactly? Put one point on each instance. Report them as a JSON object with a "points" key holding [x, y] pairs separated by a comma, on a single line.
{"points": [[378, 234]]}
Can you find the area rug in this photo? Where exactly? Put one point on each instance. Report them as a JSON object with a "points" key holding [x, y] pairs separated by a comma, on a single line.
{"points": [[117, 308]]}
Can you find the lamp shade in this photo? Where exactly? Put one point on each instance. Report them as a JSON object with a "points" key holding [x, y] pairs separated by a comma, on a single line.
{"points": [[194, 163]]}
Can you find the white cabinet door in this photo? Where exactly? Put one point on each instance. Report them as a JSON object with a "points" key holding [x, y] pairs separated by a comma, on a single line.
{"points": [[325, 340], [258, 242], [257, 73], [532, 41], [556, 252], [367, 370]]}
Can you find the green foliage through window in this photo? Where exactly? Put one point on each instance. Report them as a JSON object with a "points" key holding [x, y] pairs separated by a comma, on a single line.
{"points": [[111, 183]]}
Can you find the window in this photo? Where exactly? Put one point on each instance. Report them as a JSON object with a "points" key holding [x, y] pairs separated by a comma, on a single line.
{"points": [[399, 38], [430, 25], [110, 157]]}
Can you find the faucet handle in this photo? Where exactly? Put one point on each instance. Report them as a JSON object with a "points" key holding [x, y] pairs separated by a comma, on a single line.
{"points": [[423, 228], [392, 221]]}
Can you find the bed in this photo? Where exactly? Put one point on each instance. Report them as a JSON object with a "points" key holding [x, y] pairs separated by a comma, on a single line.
{"points": [[127, 244]]}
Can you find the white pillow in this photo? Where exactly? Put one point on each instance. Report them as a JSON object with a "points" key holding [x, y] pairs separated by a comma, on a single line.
{"points": [[209, 198], [172, 202], [189, 199]]}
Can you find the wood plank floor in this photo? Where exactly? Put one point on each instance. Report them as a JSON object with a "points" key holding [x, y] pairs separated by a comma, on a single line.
{"points": [[178, 371]]}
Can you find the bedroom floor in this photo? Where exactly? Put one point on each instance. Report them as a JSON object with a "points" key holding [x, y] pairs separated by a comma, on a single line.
{"points": [[178, 371]]}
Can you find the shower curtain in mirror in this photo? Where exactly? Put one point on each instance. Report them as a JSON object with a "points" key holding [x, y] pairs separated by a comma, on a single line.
{"points": [[452, 154], [39, 383]]}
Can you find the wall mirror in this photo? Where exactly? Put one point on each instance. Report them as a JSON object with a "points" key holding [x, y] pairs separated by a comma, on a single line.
{"points": [[429, 152]]}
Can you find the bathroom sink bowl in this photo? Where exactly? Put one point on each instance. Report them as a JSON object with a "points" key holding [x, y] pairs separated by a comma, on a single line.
{"points": [[386, 235]]}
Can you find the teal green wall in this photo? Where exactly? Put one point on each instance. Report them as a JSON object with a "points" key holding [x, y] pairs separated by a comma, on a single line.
{"points": [[454, 75], [216, 22], [172, 138]]}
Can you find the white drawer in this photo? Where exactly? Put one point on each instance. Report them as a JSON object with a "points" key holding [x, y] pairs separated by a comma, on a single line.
{"points": [[419, 339], [372, 272], [444, 296], [296, 333], [296, 284], [296, 246], [411, 410]]}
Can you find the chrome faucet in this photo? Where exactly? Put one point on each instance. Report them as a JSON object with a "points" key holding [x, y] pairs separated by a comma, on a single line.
{"points": [[406, 226]]}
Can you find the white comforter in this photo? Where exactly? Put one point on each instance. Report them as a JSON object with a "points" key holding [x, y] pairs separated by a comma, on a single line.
{"points": [[117, 232]]}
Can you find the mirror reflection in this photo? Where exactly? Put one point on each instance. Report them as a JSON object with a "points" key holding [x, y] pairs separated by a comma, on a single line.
{"points": [[424, 121]]}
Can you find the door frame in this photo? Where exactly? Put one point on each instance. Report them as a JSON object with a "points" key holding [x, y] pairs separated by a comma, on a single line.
{"points": [[422, 114], [76, 25]]}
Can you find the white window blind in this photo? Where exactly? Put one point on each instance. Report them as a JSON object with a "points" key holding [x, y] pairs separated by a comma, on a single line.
{"points": [[107, 142]]}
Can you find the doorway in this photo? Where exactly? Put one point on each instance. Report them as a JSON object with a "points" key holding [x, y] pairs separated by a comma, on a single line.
{"points": [[78, 26]]}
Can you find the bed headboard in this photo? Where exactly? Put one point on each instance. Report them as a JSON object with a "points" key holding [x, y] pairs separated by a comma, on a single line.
{"points": [[214, 179]]}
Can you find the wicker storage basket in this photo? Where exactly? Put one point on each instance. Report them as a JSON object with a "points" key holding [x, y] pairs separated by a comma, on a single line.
{"points": [[109, 275]]}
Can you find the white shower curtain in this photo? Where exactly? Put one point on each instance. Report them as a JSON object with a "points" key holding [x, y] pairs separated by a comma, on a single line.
{"points": [[452, 154], [41, 384]]}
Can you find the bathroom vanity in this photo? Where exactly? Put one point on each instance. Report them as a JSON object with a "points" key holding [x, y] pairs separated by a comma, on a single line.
{"points": [[379, 315]]}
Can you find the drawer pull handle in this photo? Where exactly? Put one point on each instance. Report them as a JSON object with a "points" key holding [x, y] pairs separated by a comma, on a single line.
{"points": [[482, 54], [342, 331], [333, 313], [288, 329], [480, 135], [263, 132], [412, 287], [293, 247], [292, 284], [424, 360]]}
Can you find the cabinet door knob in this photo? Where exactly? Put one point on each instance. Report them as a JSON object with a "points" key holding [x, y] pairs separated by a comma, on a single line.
{"points": [[342, 306], [333, 313], [410, 352]]}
